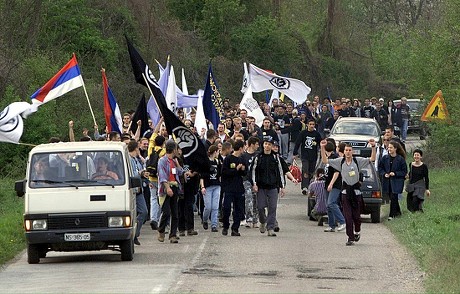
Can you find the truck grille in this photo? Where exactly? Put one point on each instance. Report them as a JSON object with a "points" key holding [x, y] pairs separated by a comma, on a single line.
{"points": [[355, 144], [83, 221]]}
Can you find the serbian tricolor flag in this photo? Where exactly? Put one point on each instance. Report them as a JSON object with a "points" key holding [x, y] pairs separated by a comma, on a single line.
{"points": [[111, 110], [66, 80]]}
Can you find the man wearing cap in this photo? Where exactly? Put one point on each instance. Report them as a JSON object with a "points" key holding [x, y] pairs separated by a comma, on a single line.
{"points": [[267, 173], [308, 141]]}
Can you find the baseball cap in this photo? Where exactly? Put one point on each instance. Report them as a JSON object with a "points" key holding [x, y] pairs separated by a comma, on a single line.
{"points": [[268, 139], [381, 100]]}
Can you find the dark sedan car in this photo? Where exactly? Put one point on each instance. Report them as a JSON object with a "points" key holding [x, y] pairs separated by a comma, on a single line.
{"points": [[372, 195]]}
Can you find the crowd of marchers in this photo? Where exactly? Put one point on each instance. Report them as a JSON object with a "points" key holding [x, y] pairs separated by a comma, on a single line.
{"points": [[249, 165]]}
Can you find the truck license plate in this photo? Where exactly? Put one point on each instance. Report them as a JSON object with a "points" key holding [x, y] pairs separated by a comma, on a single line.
{"points": [[77, 237]]}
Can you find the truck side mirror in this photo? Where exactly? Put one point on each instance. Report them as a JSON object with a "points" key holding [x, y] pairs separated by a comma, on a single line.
{"points": [[19, 187], [135, 182]]}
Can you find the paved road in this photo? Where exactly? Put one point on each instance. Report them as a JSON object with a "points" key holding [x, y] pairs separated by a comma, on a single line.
{"points": [[302, 258]]}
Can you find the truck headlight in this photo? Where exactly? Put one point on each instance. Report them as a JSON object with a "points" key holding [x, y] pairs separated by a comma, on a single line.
{"points": [[115, 221], [36, 225]]}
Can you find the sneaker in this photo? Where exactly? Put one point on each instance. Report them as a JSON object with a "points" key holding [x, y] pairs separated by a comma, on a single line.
{"points": [[349, 243], [357, 236], [390, 218], [192, 233], [271, 233], [205, 225], [304, 191], [161, 237], [243, 223], [248, 224], [173, 239], [341, 227], [255, 225], [329, 229], [276, 229], [154, 225], [224, 231], [136, 241], [262, 228], [235, 233], [214, 229], [182, 233]]}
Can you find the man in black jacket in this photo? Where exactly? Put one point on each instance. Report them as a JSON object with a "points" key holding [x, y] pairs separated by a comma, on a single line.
{"points": [[268, 170], [233, 170]]}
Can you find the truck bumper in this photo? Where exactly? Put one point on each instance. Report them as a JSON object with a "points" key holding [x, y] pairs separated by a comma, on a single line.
{"points": [[109, 235]]}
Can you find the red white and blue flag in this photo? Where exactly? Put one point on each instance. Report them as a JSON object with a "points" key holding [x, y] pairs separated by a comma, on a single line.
{"points": [[66, 80], [112, 112]]}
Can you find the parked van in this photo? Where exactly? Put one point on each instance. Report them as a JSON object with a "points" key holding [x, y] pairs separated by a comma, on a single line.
{"points": [[79, 196]]}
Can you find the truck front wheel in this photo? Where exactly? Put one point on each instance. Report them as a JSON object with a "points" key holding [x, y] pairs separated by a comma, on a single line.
{"points": [[33, 254], [127, 250]]}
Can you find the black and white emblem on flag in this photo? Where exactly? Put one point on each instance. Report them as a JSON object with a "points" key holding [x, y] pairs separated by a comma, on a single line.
{"points": [[186, 140], [280, 83], [150, 77]]}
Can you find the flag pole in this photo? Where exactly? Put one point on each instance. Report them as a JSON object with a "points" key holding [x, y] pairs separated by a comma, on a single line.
{"points": [[87, 98], [27, 144], [151, 93]]}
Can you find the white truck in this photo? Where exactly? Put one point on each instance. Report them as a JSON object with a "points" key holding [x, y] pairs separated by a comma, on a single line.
{"points": [[79, 196]]}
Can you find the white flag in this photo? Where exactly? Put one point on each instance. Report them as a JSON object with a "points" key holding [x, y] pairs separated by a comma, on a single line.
{"points": [[11, 125], [252, 107], [275, 95], [187, 110], [171, 94], [245, 84], [200, 119], [261, 80]]}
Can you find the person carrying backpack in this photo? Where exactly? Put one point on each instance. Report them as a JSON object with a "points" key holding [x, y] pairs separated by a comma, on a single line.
{"points": [[352, 200], [267, 174], [152, 167]]}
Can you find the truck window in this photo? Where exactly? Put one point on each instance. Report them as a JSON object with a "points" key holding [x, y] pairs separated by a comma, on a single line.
{"points": [[76, 169]]}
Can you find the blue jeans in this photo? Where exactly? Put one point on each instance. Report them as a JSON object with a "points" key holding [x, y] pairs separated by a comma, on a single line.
{"points": [[211, 205], [333, 211], [142, 212], [155, 210], [404, 127]]}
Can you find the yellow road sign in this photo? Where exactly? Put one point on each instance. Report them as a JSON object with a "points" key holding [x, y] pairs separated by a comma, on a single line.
{"points": [[436, 109]]}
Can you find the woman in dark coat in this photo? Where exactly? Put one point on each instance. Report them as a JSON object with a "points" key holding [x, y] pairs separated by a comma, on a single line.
{"points": [[393, 169]]}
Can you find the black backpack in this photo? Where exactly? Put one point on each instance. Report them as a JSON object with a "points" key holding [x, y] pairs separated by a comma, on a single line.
{"points": [[152, 163]]}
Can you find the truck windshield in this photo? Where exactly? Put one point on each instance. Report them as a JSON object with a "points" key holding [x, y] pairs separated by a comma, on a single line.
{"points": [[77, 169]]}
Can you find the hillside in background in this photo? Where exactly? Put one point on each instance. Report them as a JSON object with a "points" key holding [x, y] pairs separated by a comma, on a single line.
{"points": [[346, 48]]}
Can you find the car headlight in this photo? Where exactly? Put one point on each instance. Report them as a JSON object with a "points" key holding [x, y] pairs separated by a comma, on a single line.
{"points": [[36, 225]]}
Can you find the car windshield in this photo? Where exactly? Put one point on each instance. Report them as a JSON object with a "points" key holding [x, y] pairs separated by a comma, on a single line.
{"points": [[414, 105], [355, 128], [76, 169]]}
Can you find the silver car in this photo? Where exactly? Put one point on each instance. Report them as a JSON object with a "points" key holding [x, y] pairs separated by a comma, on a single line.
{"points": [[356, 131]]}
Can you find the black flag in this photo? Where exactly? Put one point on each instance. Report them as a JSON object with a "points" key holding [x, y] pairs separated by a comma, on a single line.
{"points": [[140, 114], [195, 154], [141, 70]]}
